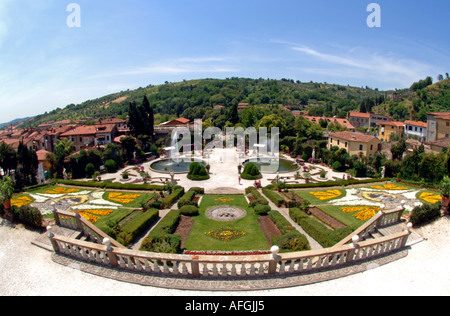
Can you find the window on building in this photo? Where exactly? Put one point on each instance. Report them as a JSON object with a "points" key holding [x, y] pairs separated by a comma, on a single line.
{"points": [[361, 147]]}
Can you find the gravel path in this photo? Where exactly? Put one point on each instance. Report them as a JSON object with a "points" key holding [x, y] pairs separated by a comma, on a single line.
{"points": [[27, 270]]}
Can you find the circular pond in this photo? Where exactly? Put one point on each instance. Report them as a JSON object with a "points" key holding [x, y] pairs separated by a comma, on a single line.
{"points": [[274, 165], [174, 165], [225, 213]]}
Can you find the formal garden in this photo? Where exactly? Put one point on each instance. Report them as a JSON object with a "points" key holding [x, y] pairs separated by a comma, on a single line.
{"points": [[173, 220]]}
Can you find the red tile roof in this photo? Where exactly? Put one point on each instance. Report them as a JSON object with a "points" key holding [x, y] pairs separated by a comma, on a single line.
{"points": [[359, 114], [393, 123], [415, 123], [353, 137]]}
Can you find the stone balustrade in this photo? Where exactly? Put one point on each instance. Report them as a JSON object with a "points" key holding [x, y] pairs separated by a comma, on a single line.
{"points": [[76, 222], [381, 219], [227, 266], [109, 253]]}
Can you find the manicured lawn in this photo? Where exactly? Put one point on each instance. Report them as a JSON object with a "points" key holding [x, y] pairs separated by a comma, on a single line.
{"points": [[247, 234], [348, 215], [321, 196]]}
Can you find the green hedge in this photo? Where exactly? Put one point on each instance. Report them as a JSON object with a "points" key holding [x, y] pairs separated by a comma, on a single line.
{"points": [[425, 213], [161, 238], [187, 198], [115, 186], [324, 236], [262, 210], [189, 210], [170, 200], [291, 239], [27, 215], [168, 224], [259, 199], [274, 197], [137, 226]]}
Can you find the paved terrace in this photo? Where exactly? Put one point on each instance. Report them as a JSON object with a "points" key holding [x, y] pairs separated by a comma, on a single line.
{"points": [[224, 176]]}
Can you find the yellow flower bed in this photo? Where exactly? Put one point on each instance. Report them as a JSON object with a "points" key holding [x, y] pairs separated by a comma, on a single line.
{"points": [[123, 198], [429, 197], [21, 201], [94, 215], [223, 200], [389, 186], [363, 212], [225, 234], [326, 195], [61, 191]]}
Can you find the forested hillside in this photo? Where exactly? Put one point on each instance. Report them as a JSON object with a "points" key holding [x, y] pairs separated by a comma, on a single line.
{"points": [[173, 99]]}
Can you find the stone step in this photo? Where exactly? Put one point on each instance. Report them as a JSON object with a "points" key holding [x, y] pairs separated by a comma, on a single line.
{"points": [[43, 240]]}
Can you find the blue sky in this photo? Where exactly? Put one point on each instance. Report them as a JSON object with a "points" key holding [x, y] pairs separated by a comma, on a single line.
{"points": [[123, 45]]}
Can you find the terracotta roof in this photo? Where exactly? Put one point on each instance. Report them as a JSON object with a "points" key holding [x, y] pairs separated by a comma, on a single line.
{"points": [[393, 123], [88, 130], [415, 123], [14, 143], [445, 142], [41, 154], [343, 122], [443, 117], [353, 137], [183, 120], [359, 114]]}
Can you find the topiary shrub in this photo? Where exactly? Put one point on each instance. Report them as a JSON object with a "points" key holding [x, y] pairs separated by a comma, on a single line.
{"points": [[425, 213], [251, 172], [111, 166], [262, 210], [90, 169], [189, 210], [197, 172]]}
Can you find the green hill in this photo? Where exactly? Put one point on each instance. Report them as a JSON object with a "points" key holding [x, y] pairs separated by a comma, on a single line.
{"points": [[421, 98], [179, 99]]}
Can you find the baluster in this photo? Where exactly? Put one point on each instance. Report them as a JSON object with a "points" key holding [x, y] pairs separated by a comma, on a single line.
{"points": [[215, 272], [224, 270], [233, 269], [165, 267], [252, 269], [261, 270], [184, 269], [205, 271]]}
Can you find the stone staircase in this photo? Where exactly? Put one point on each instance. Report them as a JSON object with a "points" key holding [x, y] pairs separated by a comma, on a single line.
{"points": [[393, 229], [43, 241]]}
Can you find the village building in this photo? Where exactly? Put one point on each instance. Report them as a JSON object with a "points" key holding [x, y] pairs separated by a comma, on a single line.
{"points": [[354, 143], [416, 130], [360, 120], [89, 136], [438, 126], [387, 129]]}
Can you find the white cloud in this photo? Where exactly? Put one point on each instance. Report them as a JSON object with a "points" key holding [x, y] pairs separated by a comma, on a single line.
{"points": [[392, 70], [184, 65]]}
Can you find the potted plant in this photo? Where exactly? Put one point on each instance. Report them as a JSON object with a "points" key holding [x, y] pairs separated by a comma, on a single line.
{"points": [[445, 191], [7, 191]]}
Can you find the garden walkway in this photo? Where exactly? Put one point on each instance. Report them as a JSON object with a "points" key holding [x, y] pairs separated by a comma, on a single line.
{"points": [[285, 212]]}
